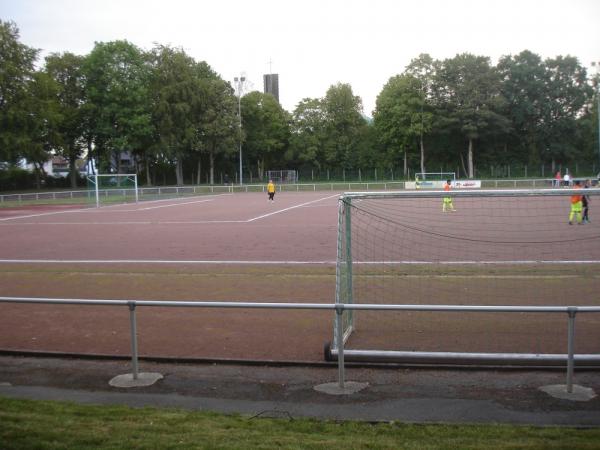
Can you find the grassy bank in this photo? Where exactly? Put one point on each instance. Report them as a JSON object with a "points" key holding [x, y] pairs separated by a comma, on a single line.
{"points": [[26, 424]]}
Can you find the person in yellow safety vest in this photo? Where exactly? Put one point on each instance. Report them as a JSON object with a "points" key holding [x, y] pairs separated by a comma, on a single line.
{"points": [[271, 191], [576, 205], [447, 204]]}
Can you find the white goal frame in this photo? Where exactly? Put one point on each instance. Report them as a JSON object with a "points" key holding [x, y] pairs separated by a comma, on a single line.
{"points": [[94, 179], [344, 326], [422, 176]]}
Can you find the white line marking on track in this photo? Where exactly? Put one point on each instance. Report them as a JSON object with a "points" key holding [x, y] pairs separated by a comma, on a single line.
{"points": [[149, 222], [161, 261], [146, 261], [44, 214], [291, 207], [130, 222], [175, 204], [91, 209]]}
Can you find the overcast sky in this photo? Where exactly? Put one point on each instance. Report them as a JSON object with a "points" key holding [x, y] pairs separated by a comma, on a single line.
{"points": [[313, 44]]}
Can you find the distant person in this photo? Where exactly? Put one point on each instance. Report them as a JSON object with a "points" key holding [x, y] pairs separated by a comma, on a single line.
{"points": [[576, 205], [447, 204], [557, 179], [585, 203], [567, 179], [271, 191], [226, 179]]}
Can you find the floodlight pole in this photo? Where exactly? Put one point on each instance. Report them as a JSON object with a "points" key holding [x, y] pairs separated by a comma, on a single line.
{"points": [[240, 82]]}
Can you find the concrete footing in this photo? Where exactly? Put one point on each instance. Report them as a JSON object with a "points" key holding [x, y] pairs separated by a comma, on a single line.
{"points": [[579, 394], [350, 387], [143, 379]]}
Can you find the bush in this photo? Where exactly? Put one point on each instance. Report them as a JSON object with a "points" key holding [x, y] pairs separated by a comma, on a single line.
{"points": [[15, 179]]}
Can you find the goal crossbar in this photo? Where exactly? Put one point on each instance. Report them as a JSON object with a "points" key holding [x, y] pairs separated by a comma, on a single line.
{"points": [[95, 180]]}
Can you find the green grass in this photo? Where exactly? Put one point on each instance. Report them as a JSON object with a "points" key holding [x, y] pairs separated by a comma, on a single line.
{"points": [[26, 424]]}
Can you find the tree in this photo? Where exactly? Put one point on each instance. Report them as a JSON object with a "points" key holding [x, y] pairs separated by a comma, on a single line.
{"points": [[344, 125], [180, 89], [66, 71], [467, 92], [267, 130], [423, 69], [400, 117], [308, 132], [16, 72], [42, 122], [219, 123], [524, 86], [567, 95], [118, 112]]}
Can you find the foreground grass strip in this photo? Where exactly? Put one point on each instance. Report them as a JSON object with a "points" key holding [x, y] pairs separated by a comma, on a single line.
{"points": [[61, 425]]}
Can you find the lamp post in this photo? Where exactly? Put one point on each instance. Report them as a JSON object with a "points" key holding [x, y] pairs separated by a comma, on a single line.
{"points": [[240, 81], [597, 66]]}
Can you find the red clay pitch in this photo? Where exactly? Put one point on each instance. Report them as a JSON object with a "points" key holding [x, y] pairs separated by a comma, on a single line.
{"points": [[230, 247]]}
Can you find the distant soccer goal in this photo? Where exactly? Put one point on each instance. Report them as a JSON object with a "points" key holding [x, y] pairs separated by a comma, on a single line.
{"points": [[499, 247], [113, 188], [423, 176], [283, 176]]}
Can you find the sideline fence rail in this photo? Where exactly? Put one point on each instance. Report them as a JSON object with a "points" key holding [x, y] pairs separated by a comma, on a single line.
{"points": [[571, 312]]}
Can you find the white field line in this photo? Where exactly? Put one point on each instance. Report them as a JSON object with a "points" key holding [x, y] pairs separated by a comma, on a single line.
{"points": [[175, 204], [131, 222], [42, 214], [154, 261], [458, 263], [144, 202], [268, 262], [172, 222], [102, 208], [292, 207]]}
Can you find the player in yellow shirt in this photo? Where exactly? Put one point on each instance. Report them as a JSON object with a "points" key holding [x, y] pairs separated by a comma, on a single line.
{"points": [[271, 191]]}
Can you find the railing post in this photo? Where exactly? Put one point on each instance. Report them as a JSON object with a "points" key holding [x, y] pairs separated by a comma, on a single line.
{"points": [[339, 311], [134, 348], [570, 345]]}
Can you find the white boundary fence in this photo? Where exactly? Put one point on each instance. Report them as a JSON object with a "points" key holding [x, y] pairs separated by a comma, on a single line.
{"points": [[570, 358]]}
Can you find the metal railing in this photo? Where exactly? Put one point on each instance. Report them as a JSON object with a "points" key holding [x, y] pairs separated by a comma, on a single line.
{"points": [[339, 309]]}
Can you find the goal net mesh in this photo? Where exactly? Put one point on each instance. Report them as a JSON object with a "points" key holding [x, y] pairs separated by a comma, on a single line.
{"points": [[497, 248], [106, 189]]}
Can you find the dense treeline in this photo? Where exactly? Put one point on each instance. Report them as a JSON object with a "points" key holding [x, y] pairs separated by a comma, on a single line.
{"points": [[179, 118]]}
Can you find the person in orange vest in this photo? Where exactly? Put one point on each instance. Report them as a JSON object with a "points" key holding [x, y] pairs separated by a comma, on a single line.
{"points": [[447, 201], [576, 205], [271, 191]]}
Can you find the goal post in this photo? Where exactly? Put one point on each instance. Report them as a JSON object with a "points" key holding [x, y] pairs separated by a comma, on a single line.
{"points": [[283, 176], [500, 247], [113, 188], [439, 176]]}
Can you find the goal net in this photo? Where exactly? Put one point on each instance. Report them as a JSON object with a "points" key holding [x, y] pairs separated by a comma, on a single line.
{"points": [[497, 248], [438, 176], [283, 176], [105, 189], [431, 180]]}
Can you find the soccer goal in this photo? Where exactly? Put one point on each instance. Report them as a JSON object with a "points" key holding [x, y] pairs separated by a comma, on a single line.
{"points": [[439, 176], [113, 188], [498, 248], [283, 176]]}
